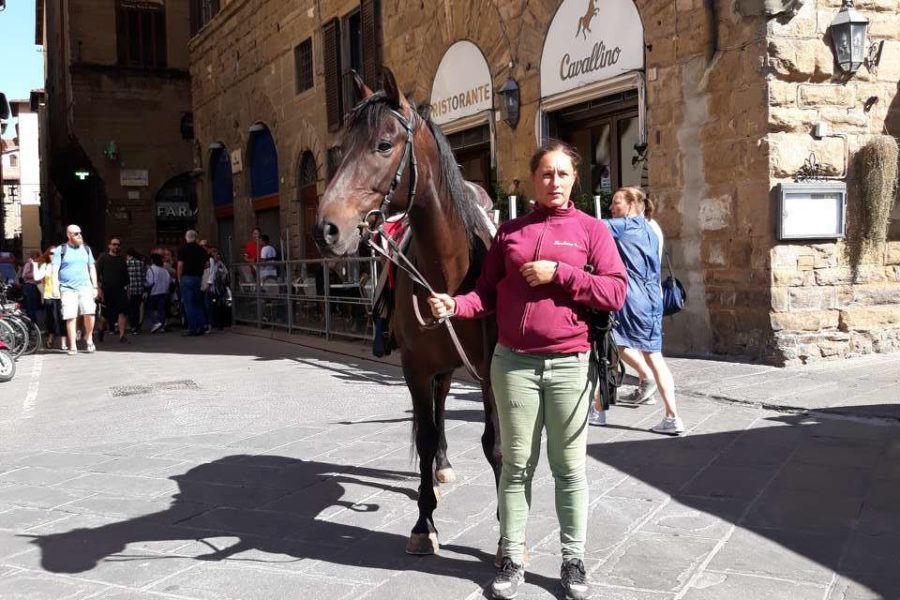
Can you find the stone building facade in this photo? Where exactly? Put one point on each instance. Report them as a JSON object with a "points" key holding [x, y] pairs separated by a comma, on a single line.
{"points": [[120, 150], [709, 105]]}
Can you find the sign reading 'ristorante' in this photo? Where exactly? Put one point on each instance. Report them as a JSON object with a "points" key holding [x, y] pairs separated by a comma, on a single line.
{"points": [[589, 41], [462, 85]]}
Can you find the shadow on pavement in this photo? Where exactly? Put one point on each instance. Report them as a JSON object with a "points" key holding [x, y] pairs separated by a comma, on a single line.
{"points": [[270, 503], [826, 490]]}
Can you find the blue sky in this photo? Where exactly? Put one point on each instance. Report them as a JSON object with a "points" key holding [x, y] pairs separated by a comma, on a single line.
{"points": [[21, 61]]}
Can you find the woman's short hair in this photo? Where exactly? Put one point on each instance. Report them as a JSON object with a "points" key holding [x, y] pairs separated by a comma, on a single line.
{"points": [[554, 146]]}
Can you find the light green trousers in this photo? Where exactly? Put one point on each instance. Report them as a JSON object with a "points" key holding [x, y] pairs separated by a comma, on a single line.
{"points": [[534, 392]]}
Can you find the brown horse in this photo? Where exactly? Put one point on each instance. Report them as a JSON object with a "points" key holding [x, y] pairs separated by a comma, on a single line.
{"points": [[395, 160]]}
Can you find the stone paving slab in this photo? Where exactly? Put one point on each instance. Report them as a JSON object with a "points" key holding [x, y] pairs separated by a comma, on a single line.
{"points": [[286, 473]]}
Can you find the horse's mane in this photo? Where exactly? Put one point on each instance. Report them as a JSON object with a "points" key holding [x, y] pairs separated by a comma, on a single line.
{"points": [[464, 205]]}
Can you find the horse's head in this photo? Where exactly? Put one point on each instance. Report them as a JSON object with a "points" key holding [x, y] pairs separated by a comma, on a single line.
{"points": [[374, 154]]}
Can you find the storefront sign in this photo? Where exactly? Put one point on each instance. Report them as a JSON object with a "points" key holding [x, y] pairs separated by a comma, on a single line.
{"points": [[462, 85], [589, 41], [134, 178], [169, 211]]}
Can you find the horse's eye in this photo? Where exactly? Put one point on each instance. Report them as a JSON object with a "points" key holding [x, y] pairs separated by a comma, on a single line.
{"points": [[384, 147]]}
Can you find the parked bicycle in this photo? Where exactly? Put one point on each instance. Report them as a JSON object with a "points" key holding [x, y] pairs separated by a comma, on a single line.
{"points": [[20, 334], [7, 363]]}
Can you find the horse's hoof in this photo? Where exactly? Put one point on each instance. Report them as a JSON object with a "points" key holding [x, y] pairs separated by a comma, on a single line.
{"points": [[422, 544], [445, 475]]}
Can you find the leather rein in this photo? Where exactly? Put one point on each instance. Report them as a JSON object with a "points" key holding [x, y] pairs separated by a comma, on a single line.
{"points": [[374, 220]]}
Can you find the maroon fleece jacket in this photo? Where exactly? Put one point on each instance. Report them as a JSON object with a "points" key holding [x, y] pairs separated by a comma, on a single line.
{"points": [[549, 318]]}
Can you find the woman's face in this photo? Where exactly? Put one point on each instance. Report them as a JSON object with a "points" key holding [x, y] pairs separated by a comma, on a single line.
{"points": [[553, 180], [620, 206]]}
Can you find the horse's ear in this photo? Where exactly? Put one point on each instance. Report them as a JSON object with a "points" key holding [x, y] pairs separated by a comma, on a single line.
{"points": [[392, 91], [362, 90]]}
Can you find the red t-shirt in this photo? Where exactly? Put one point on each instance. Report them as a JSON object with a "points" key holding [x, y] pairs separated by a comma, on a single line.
{"points": [[251, 248]]}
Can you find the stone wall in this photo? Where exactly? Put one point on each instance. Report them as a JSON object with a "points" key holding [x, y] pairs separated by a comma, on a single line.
{"points": [[706, 118], [828, 301]]}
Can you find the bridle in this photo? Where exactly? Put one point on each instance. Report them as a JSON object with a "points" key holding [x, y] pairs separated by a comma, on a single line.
{"points": [[374, 220], [375, 217]]}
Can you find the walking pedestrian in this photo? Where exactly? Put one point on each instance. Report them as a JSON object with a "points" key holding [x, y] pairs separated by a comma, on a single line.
{"points": [[217, 289], [50, 295], [112, 271], [638, 332], [157, 282], [534, 280], [267, 254], [30, 291], [136, 275], [191, 263], [75, 276]]}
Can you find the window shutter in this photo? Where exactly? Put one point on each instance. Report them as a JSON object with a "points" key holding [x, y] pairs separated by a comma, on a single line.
{"points": [[371, 41], [331, 42]]}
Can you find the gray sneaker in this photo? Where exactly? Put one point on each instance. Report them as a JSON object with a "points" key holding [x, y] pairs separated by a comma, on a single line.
{"points": [[507, 580], [573, 578], [643, 394], [597, 418], [669, 426]]}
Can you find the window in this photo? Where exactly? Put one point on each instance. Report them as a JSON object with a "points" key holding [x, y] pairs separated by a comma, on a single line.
{"points": [[13, 161], [351, 43], [303, 66], [202, 12], [141, 33]]}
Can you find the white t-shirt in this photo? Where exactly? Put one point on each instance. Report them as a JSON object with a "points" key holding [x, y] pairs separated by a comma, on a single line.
{"points": [[659, 234], [267, 252]]}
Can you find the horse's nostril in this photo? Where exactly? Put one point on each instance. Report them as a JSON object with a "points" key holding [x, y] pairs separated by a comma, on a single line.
{"points": [[327, 233]]}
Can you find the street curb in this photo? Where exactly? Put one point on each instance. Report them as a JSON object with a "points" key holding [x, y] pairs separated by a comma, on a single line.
{"points": [[825, 413], [361, 350]]}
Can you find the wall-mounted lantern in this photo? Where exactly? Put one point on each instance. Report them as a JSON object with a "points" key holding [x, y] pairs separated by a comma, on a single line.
{"points": [[509, 102], [848, 36]]}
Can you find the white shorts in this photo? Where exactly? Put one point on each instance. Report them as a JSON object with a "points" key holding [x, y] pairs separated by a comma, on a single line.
{"points": [[77, 302]]}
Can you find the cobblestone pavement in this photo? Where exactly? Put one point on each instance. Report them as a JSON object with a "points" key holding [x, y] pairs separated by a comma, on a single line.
{"points": [[236, 467]]}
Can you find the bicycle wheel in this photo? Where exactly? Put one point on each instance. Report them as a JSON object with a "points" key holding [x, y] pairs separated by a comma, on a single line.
{"points": [[7, 333], [7, 365], [20, 340], [34, 335]]}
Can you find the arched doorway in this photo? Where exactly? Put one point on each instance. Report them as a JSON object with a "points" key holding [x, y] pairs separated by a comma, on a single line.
{"points": [[222, 182], [309, 203], [264, 183], [176, 210]]}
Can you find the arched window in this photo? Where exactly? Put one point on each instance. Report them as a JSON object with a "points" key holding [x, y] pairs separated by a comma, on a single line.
{"points": [[263, 159], [221, 178]]}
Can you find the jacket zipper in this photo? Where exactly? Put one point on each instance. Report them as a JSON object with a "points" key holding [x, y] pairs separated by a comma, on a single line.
{"points": [[537, 254]]}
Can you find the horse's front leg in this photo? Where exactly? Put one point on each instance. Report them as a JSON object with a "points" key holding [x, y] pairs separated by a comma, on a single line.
{"points": [[424, 538], [443, 470]]}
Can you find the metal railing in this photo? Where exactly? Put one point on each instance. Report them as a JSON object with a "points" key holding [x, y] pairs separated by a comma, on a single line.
{"points": [[326, 297]]}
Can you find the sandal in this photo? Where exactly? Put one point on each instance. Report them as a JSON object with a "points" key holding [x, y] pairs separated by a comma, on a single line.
{"points": [[90, 349], [72, 352]]}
